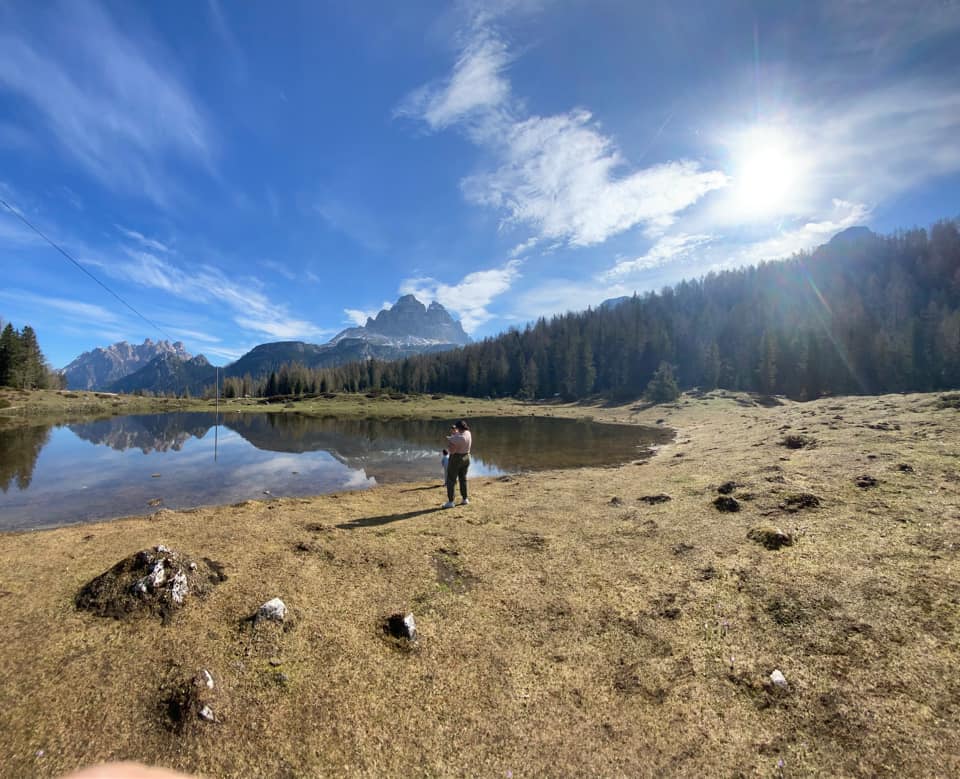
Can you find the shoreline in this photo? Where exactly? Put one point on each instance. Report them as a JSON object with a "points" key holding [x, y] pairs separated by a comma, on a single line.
{"points": [[567, 623]]}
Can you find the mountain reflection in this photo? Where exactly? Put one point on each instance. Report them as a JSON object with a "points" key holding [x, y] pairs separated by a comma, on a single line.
{"points": [[146, 432]]}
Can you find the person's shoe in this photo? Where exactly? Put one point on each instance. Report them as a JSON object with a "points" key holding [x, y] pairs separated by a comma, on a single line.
{"points": [[447, 505], [465, 502]]}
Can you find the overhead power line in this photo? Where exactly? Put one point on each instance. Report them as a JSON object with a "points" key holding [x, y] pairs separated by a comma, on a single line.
{"points": [[72, 259]]}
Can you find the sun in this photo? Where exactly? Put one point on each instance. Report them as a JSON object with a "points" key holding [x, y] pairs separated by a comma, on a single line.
{"points": [[768, 173]]}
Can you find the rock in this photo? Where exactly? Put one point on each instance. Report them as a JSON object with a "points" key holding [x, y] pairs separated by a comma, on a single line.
{"points": [[401, 626], [157, 581], [866, 481], [206, 714], [905, 468], [616, 501], [726, 503], [206, 679], [275, 661], [770, 537], [274, 609], [778, 679]]}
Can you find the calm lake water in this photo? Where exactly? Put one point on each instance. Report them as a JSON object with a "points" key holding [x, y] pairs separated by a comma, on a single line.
{"points": [[121, 466]]}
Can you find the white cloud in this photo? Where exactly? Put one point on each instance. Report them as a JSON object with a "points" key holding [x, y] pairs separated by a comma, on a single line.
{"points": [[476, 84], [667, 248], [470, 297], [359, 317], [559, 175], [112, 102]]}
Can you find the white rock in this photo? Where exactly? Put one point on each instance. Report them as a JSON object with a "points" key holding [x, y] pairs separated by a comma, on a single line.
{"points": [[410, 626], [206, 714], [778, 678], [193, 566], [161, 549], [179, 588], [206, 678], [157, 575], [274, 609]]}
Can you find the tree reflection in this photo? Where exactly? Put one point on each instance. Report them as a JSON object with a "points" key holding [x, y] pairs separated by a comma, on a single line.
{"points": [[19, 449]]}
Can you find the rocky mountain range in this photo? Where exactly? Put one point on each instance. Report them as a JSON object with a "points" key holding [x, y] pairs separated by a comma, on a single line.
{"points": [[101, 367], [407, 328]]}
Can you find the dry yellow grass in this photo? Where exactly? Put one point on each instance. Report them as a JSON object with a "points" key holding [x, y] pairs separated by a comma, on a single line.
{"points": [[561, 632]]}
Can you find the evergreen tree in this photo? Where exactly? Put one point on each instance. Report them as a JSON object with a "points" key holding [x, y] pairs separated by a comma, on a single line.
{"points": [[663, 386]]}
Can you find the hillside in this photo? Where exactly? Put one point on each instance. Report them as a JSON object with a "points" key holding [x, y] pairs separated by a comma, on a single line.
{"points": [[861, 314], [168, 373]]}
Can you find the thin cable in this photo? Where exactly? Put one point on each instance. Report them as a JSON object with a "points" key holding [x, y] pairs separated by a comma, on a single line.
{"points": [[66, 254]]}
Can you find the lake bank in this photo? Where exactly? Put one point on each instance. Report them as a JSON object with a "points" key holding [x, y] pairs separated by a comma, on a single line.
{"points": [[566, 625]]}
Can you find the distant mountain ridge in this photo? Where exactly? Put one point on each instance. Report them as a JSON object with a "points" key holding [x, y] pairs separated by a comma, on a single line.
{"points": [[101, 367], [406, 329]]}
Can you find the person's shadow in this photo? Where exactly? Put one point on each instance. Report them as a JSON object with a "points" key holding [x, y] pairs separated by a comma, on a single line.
{"points": [[386, 519]]}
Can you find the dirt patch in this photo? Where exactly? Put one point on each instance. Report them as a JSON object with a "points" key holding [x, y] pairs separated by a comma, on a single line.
{"points": [[797, 441], [770, 537], [452, 576], [799, 501], [727, 487], [189, 704], [155, 581], [726, 504], [653, 500], [865, 481]]}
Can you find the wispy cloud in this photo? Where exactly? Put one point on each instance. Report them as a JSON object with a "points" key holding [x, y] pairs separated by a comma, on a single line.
{"points": [[470, 297], [664, 250], [559, 175], [353, 221], [113, 103], [250, 308], [75, 309], [147, 243]]}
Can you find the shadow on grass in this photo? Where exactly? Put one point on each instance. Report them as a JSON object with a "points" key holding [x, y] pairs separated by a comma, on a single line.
{"points": [[386, 519], [428, 487]]}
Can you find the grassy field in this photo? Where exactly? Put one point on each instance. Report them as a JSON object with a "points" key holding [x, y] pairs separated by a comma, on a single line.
{"points": [[567, 625]]}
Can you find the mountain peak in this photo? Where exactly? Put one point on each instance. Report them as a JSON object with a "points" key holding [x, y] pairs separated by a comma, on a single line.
{"points": [[102, 366]]}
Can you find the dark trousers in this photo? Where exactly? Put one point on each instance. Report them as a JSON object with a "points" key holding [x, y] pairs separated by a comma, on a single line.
{"points": [[457, 469]]}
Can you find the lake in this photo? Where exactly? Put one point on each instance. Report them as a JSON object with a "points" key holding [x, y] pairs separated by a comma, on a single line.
{"points": [[121, 466]]}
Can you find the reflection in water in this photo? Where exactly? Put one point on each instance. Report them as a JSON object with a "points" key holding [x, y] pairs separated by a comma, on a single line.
{"points": [[19, 449], [146, 432], [125, 465]]}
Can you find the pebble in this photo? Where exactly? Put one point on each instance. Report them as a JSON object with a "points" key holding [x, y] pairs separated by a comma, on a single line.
{"points": [[206, 714], [206, 679]]}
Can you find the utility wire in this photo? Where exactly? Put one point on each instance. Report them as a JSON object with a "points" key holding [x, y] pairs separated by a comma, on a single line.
{"points": [[70, 257]]}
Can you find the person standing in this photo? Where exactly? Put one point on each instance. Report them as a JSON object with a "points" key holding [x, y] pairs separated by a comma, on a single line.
{"points": [[458, 442]]}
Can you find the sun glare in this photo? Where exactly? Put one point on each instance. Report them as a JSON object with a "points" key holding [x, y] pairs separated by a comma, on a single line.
{"points": [[767, 173]]}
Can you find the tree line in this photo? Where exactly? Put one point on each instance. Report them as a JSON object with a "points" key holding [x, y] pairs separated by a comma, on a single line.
{"points": [[22, 364], [866, 315]]}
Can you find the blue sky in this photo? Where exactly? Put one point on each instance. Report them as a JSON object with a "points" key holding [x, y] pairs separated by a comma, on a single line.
{"points": [[251, 172]]}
